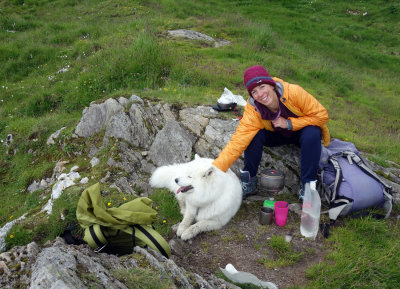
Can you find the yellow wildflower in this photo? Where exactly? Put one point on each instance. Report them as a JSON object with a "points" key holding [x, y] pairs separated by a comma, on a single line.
{"points": [[11, 236], [109, 204], [164, 221]]}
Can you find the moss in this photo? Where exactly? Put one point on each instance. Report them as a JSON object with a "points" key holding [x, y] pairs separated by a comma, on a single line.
{"points": [[385, 175]]}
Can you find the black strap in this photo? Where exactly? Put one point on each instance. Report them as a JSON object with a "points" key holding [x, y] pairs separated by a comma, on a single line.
{"points": [[148, 235], [71, 239], [93, 234], [325, 229], [133, 237]]}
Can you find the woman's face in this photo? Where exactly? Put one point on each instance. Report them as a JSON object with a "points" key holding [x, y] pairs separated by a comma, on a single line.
{"points": [[266, 95]]}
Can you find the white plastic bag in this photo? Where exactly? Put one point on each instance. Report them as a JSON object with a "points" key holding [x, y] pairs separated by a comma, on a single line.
{"points": [[244, 277], [228, 97], [310, 213]]}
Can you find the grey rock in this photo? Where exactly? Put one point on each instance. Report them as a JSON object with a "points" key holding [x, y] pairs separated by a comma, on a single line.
{"points": [[96, 116], [143, 129], [124, 101], [193, 121], [62, 266], [173, 144], [222, 43], [120, 126], [123, 184], [135, 98], [190, 34], [50, 140], [94, 161], [55, 269]]}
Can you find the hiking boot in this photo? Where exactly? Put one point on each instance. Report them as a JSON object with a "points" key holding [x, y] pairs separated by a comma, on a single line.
{"points": [[249, 184]]}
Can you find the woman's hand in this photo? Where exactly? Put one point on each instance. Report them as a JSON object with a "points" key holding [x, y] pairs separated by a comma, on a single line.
{"points": [[280, 122]]}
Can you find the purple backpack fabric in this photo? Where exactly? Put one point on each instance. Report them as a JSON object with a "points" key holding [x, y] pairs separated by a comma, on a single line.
{"points": [[347, 183]]}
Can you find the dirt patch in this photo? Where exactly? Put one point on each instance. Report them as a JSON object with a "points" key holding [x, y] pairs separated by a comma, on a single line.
{"points": [[244, 243]]}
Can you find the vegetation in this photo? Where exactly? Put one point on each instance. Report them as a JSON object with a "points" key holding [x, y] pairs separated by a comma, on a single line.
{"points": [[57, 56]]}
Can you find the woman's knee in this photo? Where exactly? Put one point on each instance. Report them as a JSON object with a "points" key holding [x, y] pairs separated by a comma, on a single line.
{"points": [[311, 134]]}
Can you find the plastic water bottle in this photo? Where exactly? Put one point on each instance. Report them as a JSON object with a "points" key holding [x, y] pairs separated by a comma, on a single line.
{"points": [[310, 213]]}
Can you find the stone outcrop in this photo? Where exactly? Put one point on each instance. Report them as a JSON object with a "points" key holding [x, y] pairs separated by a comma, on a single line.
{"points": [[59, 265], [194, 35], [147, 135]]}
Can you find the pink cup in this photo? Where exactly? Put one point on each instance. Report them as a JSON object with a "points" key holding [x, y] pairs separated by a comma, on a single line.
{"points": [[281, 211]]}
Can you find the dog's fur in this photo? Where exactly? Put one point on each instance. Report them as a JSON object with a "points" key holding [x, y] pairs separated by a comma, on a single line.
{"points": [[207, 197]]}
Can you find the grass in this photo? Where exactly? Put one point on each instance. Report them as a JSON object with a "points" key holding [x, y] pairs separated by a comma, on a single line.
{"points": [[144, 278], [58, 56], [371, 245], [284, 255]]}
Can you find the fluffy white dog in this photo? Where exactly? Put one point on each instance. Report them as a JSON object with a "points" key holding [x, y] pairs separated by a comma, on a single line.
{"points": [[208, 198]]}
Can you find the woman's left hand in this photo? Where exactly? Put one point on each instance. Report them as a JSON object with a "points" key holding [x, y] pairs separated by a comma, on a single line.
{"points": [[279, 122]]}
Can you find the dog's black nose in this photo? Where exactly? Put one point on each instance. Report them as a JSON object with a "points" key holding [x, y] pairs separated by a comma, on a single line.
{"points": [[176, 180]]}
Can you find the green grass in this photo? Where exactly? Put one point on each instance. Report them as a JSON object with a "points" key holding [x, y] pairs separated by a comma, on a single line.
{"points": [[364, 254], [58, 56], [144, 278], [168, 211], [283, 253]]}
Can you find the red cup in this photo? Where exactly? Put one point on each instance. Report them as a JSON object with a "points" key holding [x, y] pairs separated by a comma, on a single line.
{"points": [[281, 212]]}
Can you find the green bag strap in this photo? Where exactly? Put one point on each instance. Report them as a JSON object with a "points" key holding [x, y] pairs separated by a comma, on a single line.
{"points": [[152, 238]]}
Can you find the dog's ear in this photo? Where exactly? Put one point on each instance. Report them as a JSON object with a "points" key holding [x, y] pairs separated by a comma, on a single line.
{"points": [[209, 172]]}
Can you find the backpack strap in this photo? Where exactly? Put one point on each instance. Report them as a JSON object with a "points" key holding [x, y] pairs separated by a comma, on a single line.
{"points": [[152, 238], [338, 177], [71, 239]]}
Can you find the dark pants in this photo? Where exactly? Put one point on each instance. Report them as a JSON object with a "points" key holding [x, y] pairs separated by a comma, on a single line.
{"points": [[308, 139]]}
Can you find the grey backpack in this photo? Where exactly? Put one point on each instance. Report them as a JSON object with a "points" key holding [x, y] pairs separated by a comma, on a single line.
{"points": [[347, 184]]}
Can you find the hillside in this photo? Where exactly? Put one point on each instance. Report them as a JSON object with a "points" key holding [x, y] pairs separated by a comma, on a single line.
{"points": [[57, 57]]}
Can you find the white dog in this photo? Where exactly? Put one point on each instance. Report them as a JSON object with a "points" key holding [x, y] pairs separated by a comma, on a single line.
{"points": [[207, 197]]}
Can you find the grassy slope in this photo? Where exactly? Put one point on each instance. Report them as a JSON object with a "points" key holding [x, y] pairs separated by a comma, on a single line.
{"points": [[110, 48]]}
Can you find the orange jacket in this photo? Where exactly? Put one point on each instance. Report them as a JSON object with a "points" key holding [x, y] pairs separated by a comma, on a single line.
{"points": [[296, 99]]}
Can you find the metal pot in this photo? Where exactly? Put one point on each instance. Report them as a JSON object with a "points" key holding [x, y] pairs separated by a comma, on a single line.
{"points": [[272, 180]]}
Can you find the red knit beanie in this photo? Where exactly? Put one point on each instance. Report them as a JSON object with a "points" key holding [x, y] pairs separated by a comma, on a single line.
{"points": [[256, 75]]}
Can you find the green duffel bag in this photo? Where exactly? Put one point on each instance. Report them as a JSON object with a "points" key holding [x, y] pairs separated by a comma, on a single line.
{"points": [[118, 230]]}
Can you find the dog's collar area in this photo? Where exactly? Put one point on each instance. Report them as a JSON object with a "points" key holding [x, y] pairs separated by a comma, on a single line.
{"points": [[184, 189]]}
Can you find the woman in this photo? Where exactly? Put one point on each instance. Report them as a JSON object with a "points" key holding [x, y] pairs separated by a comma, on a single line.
{"points": [[276, 113]]}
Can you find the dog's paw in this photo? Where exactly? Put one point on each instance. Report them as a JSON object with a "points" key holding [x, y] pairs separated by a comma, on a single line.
{"points": [[189, 233], [180, 230], [186, 235], [175, 227]]}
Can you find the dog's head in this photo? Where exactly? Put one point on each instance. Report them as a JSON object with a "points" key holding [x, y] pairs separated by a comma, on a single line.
{"points": [[195, 178]]}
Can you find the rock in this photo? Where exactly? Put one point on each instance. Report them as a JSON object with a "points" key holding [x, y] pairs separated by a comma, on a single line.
{"points": [[296, 208], [194, 35], [190, 34], [94, 161], [61, 266], [193, 121], [123, 184], [136, 127], [50, 140], [94, 117], [179, 148]]}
